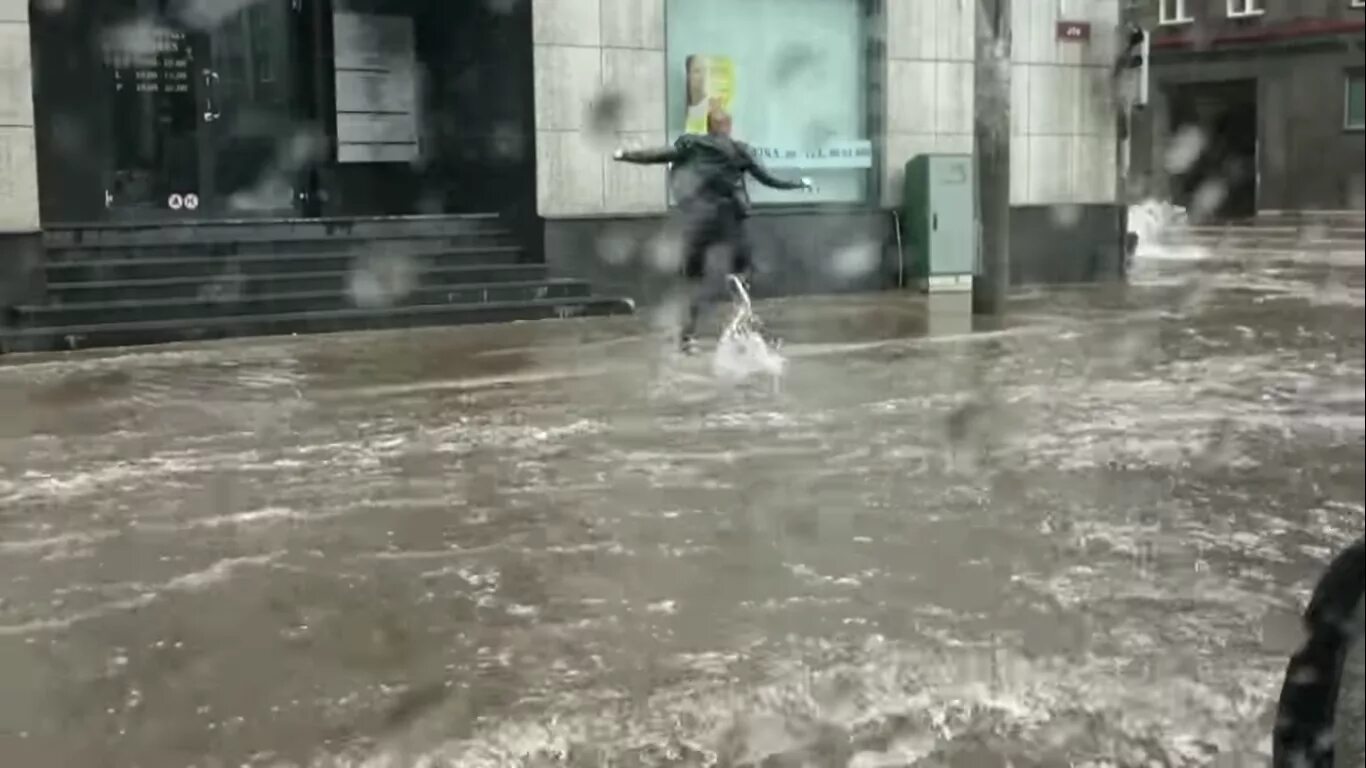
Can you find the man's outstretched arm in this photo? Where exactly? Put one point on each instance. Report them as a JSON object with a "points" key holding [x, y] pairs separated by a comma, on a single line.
{"points": [[652, 156], [763, 176]]}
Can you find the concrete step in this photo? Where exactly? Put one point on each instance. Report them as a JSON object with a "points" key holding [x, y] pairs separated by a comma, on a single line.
{"points": [[1303, 218], [330, 321], [278, 248], [228, 233], [143, 310], [236, 284], [105, 268], [1309, 231], [1256, 240]]}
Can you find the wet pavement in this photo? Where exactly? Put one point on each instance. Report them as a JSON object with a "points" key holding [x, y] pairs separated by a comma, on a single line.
{"points": [[1081, 538]]}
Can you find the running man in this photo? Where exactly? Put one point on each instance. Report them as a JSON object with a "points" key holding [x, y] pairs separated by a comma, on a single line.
{"points": [[710, 174]]}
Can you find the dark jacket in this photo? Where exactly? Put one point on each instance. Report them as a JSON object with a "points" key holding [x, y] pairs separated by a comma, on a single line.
{"points": [[710, 170]]}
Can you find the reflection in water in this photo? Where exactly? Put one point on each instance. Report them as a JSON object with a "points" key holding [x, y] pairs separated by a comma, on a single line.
{"points": [[1081, 537]]}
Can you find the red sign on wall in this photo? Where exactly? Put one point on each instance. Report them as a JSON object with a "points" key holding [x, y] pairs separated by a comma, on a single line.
{"points": [[1074, 31]]}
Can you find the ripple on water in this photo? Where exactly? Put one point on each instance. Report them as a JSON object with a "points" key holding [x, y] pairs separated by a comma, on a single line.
{"points": [[882, 704], [213, 575]]}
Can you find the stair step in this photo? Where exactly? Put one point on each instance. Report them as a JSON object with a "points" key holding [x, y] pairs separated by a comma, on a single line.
{"points": [[98, 252], [272, 303], [1253, 240], [199, 234], [332, 321], [148, 268], [297, 282]]}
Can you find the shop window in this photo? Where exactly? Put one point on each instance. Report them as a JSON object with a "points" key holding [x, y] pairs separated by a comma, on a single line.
{"points": [[1173, 12], [792, 75], [1245, 8], [1355, 101]]}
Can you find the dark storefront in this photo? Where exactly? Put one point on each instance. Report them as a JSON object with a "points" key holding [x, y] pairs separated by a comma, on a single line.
{"points": [[158, 110], [1275, 98]]}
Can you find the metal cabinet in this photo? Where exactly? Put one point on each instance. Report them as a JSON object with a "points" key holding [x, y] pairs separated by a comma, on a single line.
{"points": [[939, 223]]}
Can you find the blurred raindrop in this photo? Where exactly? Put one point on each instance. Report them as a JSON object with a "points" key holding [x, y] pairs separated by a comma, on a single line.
{"points": [[1065, 215], [604, 114], [795, 61], [274, 188], [505, 142], [274, 191], [431, 202], [226, 287], [501, 7], [818, 134], [1184, 148], [616, 247], [207, 14], [668, 316], [302, 148], [856, 260], [1209, 196], [69, 135], [382, 280], [139, 37], [665, 252]]}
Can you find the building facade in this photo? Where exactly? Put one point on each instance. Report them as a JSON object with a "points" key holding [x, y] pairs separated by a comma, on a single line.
{"points": [[153, 114], [842, 91], [279, 108], [1256, 105]]}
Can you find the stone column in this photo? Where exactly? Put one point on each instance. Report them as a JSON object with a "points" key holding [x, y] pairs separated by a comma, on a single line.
{"points": [[18, 158], [599, 83], [930, 49], [1063, 132], [20, 243]]}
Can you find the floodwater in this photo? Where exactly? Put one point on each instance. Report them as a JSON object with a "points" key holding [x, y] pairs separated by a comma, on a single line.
{"points": [[1081, 537]]}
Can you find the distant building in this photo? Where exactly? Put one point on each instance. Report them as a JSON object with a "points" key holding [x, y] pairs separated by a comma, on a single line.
{"points": [[147, 119], [1256, 105]]}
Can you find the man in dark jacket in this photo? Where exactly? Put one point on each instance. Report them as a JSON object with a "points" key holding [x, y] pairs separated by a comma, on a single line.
{"points": [[709, 174]]}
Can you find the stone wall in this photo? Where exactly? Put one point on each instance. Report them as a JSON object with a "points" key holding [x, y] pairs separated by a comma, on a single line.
{"points": [[18, 163], [930, 49], [587, 51], [1063, 123], [1063, 119]]}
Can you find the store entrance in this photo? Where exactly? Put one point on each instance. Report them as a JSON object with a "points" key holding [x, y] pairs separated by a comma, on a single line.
{"points": [[174, 110], [1221, 184], [205, 110]]}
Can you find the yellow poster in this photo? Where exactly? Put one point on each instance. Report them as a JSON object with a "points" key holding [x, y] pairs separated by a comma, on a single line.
{"points": [[710, 85]]}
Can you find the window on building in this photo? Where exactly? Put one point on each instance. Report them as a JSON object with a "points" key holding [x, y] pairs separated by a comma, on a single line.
{"points": [[1242, 8], [1173, 12], [1355, 112], [1359, 3], [793, 76]]}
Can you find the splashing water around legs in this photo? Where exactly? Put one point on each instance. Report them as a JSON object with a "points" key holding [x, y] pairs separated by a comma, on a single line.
{"points": [[743, 351]]}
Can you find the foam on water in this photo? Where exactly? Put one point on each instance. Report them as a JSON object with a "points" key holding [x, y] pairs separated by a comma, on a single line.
{"points": [[884, 704], [1150, 221], [742, 352]]}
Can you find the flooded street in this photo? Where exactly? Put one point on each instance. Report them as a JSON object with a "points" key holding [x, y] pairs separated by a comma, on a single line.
{"points": [[1084, 536]]}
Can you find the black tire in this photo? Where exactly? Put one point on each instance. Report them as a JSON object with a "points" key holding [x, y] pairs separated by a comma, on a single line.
{"points": [[1307, 730]]}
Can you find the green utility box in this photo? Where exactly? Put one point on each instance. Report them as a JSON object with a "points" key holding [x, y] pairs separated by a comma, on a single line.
{"points": [[938, 221]]}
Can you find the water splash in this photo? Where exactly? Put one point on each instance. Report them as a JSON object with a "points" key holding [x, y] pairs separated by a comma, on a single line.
{"points": [[743, 352], [1157, 225]]}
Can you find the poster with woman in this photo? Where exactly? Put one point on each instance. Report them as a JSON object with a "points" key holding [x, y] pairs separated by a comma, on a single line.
{"points": [[710, 85]]}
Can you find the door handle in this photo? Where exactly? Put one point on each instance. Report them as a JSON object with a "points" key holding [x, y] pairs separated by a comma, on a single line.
{"points": [[211, 112], [934, 222]]}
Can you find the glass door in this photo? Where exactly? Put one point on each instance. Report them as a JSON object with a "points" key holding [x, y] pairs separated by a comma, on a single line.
{"points": [[257, 146], [206, 115]]}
